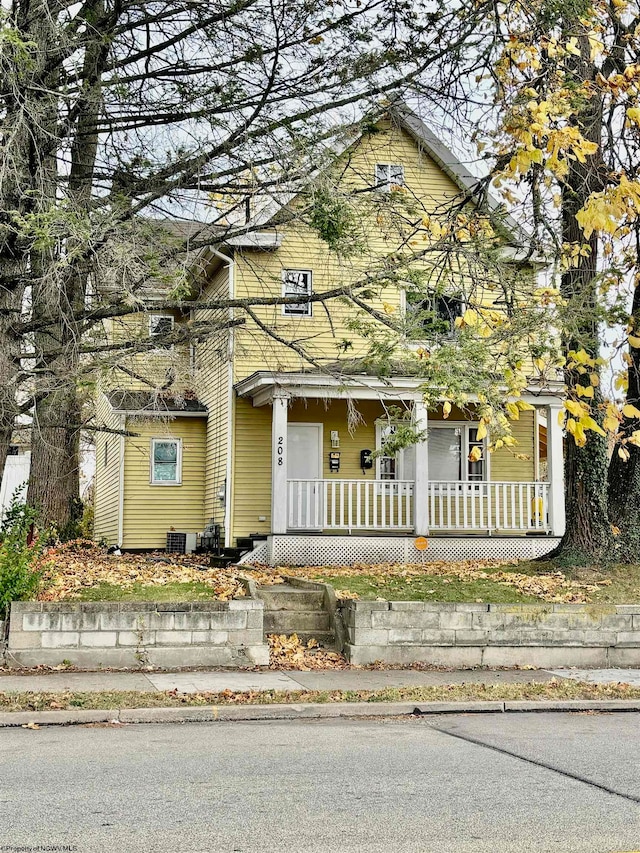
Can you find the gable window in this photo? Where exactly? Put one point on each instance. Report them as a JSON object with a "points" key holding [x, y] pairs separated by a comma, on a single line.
{"points": [[433, 316], [166, 461], [449, 446], [161, 325], [297, 283], [389, 176]]}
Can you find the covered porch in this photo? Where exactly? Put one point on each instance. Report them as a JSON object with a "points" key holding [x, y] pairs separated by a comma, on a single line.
{"points": [[324, 482]]}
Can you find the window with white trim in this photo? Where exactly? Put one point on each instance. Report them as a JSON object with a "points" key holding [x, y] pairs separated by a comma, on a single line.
{"points": [[389, 176], [297, 283], [432, 317], [166, 461], [449, 445], [400, 466], [161, 325]]}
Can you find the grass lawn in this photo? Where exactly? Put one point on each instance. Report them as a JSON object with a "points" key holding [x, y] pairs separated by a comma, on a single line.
{"points": [[84, 572], [193, 591], [483, 582], [550, 690], [429, 588]]}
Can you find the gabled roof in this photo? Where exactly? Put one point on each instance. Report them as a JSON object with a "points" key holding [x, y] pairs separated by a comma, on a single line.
{"points": [[469, 184]]}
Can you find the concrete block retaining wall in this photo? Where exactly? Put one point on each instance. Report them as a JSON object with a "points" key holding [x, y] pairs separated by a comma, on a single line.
{"points": [[128, 634], [461, 635]]}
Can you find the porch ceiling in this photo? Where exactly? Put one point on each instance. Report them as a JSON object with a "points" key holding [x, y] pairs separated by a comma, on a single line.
{"points": [[263, 386]]}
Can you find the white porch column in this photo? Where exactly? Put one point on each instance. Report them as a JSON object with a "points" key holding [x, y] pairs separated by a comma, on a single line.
{"points": [[555, 461], [279, 464], [421, 486]]}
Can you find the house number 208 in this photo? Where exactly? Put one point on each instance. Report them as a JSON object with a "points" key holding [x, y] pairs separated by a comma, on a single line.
{"points": [[280, 450]]}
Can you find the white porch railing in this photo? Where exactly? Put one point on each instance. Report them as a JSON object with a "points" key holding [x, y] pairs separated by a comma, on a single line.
{"points": [[389, 505], [350, 504], [488, 506]]}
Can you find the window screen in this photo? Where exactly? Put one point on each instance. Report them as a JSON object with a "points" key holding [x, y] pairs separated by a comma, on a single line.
{"points": [[166, 461]]}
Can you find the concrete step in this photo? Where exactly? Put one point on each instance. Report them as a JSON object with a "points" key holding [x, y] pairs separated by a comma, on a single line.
{"points": [[296, 621], [325, 639], [285, 597]]}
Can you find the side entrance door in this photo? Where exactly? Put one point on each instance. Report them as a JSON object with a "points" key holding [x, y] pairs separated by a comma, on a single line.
{"points": [[304, 473]]}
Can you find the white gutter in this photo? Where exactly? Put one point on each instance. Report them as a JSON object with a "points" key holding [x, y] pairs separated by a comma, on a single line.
{"points": [[228, 492]]}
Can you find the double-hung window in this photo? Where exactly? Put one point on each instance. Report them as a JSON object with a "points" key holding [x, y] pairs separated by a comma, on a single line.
{"points": [[166, 461], [449, 446], [297, 283], [389, 176], [161, 325], [398, 466]]}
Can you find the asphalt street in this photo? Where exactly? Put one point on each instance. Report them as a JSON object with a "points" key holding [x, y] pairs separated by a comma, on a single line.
{"points": [[447, 784]]}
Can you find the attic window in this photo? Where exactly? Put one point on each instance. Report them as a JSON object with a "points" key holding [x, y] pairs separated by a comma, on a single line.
{"points": [[297, 283], [389, 176], [161, 325]]}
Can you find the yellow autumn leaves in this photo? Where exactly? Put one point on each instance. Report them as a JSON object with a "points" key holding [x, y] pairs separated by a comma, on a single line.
{"points": [[611, 210]]}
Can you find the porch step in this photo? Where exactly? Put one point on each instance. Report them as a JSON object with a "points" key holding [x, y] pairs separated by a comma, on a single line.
{"points": [[226, 557], [248, 543], [295, 610], [296, 622], [285, 597]]}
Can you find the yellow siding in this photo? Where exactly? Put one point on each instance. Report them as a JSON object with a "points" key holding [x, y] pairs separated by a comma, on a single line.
{"points": [[211, 380], [151, 369], [252, 455], [107, 476], [149, 511], [517, 463], [252, 469], [259, 272], [334, 417]]}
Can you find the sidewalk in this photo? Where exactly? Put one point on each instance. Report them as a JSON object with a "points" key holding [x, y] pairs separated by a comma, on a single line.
{"points": [[292, 680]]}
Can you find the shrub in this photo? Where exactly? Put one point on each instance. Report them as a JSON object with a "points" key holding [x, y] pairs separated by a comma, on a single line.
{"points": [[20, 553]]}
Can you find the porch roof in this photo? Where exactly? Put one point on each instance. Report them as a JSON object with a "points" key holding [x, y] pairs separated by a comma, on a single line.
{"points": [[263, 386]]}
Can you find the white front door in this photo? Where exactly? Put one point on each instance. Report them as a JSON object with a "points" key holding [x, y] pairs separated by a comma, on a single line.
{"points": [[304, 473]]}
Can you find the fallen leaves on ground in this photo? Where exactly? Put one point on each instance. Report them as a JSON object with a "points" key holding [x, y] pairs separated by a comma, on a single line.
{"points": [[290, 652], [554, 586], [81, 564]]}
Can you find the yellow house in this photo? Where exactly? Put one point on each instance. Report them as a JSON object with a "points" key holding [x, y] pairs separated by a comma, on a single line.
{"points": [[272, 442]]}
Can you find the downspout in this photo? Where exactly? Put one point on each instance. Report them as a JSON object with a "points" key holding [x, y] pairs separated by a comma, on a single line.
{"points": [[123, 421], [228, 490]]}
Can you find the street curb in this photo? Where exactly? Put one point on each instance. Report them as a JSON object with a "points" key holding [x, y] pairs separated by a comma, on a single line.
{"points": [[303, 710]]}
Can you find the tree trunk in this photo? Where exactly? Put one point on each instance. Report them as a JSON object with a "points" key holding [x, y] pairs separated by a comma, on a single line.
{"points": [[54, 484], [624, 476], [588, 532]]}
